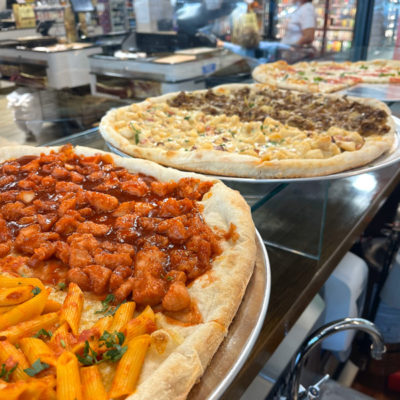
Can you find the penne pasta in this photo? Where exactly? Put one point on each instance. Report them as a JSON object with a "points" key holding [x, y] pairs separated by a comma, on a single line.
{"points": [[60, 341], [15, 295], [68, 379], [7, 282], [29, 328], [98, 329], [9, 352], [92, 385], [129, 367], [5, 309], [122, 316], [144, 323], [37, 389], [51, 306], [71, 310], [25, 311], [35, 348]]}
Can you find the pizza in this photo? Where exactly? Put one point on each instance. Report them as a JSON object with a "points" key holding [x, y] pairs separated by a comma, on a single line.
{"points": [[327, 76], [253, 131], [119, 277]]}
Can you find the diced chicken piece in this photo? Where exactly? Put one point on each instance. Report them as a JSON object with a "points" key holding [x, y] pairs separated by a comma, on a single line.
{"points": [[60, 173], [127, 207], [78, 276], [174, 229], [79, 258], [5, 233], [119, 276], [27, 184], [93, 228], [48, 182], [5, 248], [62, 252], [124, 290], [6, 180], [99, 277], [14, 211], [9, 195], [41, 253], [86, 212], [163, 189], [11, 168], [143, 209], [135, 187], [113, 261], [30, 238], [31, 166], [173, 208], [101, 202], [148, 290], [65, 187], [177, 298], [44, 206], [46, 221], [76, 177], [151, 260], [96, 176], [66, 225], [65, 205]]}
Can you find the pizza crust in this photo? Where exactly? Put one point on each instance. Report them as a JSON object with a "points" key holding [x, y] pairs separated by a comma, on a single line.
{"points": [[234, 164], [218, 293]]}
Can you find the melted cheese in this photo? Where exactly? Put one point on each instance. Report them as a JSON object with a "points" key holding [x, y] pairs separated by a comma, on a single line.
{"points": [[171, 128]]}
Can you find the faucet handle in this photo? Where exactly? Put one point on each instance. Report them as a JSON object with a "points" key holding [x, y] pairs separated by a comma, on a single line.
{"points": [[313, 391]]}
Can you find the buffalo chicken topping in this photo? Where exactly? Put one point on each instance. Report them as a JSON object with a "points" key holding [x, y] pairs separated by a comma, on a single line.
{"points": [[84, 220]]}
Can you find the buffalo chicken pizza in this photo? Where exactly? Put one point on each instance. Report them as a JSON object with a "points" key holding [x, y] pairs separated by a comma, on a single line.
{"points": [[119, 278], [253, 131], [327, 76]]}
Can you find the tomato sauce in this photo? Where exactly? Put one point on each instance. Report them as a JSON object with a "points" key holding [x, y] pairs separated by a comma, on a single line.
{"points": [[70, 218]]}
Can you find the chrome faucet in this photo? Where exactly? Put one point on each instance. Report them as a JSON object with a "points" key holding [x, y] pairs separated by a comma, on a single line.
{"points": [[377, 347]]}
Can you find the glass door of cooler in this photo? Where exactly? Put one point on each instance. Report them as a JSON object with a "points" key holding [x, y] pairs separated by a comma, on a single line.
{"points": [[339, 29], [384, 39], [335, 22]]}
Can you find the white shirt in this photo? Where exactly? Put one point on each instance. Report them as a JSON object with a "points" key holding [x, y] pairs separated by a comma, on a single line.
{"points": [[302, 18]]}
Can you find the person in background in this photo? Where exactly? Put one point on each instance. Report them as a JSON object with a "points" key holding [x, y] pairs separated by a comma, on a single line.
{"points": [[300, 27], [296, 42]]}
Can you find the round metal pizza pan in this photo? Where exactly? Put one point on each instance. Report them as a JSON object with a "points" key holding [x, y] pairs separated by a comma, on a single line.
{"points": [[242, 334], [387, 159]]}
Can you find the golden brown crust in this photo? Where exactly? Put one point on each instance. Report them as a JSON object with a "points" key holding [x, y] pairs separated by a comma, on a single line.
{"points": [[218, 293], [234, 164]]}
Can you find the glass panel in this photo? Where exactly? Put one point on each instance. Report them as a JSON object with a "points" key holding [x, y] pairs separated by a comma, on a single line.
{"points": [[385, 33]]}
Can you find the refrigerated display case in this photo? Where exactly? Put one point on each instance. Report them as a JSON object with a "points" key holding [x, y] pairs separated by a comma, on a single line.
{"points": [[384, 29], [335, 22]]}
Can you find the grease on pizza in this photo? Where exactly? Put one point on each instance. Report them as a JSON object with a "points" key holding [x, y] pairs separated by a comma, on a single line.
{"points": [[253, 131], [121, 277]]}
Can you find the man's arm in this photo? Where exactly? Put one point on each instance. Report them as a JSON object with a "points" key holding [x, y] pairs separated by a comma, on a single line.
{"points": [[307, 37]]}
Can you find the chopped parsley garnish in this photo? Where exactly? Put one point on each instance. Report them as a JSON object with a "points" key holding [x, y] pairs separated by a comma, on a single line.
{"points": [[285, 77], [170, 278], [36, 290], [383, 74], [112, 342], [42, 332], [187, 117], [106, 303], [363, 67], [62, 285], [89, 355], [63, 343], [137, 132], [5, 373], [318, 79], [37, 367], [301, 73]]}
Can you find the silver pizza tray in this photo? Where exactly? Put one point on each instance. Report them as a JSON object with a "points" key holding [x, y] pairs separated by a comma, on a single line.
{"points": [[242, 334], [390, 157]]}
